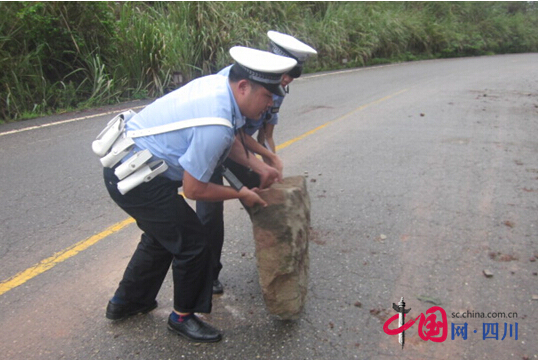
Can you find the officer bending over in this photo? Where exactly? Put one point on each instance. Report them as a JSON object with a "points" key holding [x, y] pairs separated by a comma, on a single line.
{"points": [[172, 232]]}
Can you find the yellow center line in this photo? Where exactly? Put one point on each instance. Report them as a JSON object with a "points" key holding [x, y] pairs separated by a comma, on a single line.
{"points": [[362, 107], [58, 257], [61, 256]]}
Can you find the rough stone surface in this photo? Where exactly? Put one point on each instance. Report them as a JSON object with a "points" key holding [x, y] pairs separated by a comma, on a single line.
{"points": [[281, 233]]}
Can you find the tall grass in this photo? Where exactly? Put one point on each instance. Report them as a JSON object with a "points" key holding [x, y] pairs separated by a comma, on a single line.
{"points": [[58, 56]]}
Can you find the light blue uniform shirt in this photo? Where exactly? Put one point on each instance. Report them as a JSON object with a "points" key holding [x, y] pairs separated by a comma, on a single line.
{"points": [[198, 150], [269, 117]]}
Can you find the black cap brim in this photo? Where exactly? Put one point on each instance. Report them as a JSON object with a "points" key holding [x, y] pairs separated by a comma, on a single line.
{"points": [[276, 89], [269, 81], [296, 71]]}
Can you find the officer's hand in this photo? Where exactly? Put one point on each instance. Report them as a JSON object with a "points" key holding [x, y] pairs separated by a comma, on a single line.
{"points": [[276, 163], [268, 176], [250, 198]]}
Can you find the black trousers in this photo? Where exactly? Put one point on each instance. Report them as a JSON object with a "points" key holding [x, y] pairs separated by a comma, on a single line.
{"points": [[173, 235], [211, 214]]}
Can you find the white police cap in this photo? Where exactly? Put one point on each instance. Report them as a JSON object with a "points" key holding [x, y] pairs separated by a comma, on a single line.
{"points": [[287, 45], [262, 67]]}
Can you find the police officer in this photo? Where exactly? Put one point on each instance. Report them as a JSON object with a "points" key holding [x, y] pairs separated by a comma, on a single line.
{"points": [[172, 232], [285, 45], [211, 213]]}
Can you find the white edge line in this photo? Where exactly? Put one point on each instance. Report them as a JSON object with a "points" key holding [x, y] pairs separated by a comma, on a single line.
{"points": [[344, 71], [67, 121]]}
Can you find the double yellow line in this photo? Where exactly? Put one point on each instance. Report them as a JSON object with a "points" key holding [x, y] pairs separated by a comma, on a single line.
{"points": [[61, 256]]}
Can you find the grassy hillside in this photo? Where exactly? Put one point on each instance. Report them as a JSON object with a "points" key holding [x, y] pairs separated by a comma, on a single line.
{"points": [[58, 56]]}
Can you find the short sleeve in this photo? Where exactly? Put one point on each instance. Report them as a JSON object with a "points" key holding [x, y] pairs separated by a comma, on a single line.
{"points": [[208, 147], [274, 119]]}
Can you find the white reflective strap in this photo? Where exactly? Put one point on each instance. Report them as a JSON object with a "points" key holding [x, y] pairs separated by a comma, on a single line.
{"points": [[179, 125]]}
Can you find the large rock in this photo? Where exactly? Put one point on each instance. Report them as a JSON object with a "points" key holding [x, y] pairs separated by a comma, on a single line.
{"points": [[281, 235]]}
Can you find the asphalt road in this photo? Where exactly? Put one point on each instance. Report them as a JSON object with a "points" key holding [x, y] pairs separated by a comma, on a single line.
{"points": [[423, 179]]}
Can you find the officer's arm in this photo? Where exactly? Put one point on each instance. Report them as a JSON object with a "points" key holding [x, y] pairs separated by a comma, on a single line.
{"points": [[261, 135], [269, 157], [268, 174], [211, 192], [268, 133]]}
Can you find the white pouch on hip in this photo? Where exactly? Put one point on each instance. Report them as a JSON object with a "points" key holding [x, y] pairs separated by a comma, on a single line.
{"points": [[144, 174], [120, 149], [133, 164], [104, 141]]}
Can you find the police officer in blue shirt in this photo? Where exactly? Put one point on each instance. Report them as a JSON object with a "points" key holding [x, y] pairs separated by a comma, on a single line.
{"points": [[211, 213], [172, 233]]}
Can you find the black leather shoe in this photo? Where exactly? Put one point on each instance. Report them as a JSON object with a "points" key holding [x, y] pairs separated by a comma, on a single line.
{"points": [[119, 311], [218, 288], [195, 330]]}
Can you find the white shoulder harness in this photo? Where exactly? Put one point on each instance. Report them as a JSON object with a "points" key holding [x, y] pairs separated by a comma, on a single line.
{"points": [[188, 123], [114, 143]]}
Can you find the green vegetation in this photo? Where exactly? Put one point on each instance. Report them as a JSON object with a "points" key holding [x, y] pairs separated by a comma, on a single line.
{"points": [[58, 56]]}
